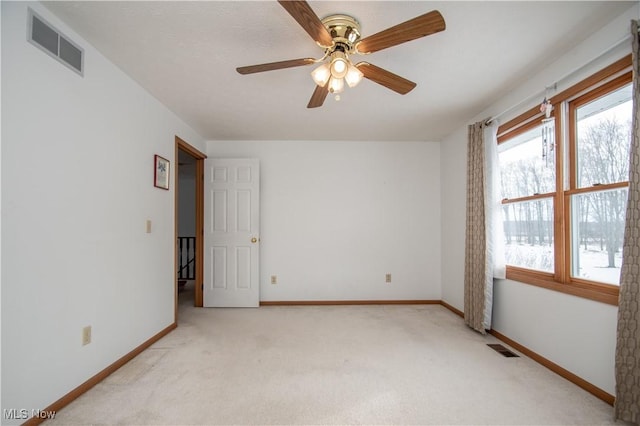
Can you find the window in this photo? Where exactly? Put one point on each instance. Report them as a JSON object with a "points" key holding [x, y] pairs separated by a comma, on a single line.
{"points": [[529, 238], [528, 186], [564, 187]]}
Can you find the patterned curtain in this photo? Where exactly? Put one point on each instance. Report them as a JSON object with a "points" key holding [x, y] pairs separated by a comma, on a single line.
{"points": [[475, 266], [627, 404]]}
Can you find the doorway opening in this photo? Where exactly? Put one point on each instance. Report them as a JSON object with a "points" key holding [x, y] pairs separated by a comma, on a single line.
{"points": [[189, 222]]}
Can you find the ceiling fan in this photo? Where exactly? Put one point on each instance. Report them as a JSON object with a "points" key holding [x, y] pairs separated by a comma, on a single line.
{"points": [[339, 36]]}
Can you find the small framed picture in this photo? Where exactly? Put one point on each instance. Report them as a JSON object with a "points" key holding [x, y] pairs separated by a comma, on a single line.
{"points": [[161, 172]]}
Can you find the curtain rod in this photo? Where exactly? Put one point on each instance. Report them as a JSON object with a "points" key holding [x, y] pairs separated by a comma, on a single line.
{"points": [[564, 77]]}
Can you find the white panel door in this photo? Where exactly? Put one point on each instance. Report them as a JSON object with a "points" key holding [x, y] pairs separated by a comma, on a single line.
{"points": [[232, 234]]}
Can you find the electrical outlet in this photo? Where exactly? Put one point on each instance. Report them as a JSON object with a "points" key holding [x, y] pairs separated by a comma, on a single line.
{"points": [[86, 335], [387, 278], [274, 279]]}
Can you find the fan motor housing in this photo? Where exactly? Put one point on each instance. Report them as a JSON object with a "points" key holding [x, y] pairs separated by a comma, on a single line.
{"points": [[344, 29]]}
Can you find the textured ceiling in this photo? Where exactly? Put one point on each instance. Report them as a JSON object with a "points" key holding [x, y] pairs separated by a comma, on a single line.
{"points": [[185, 54]]}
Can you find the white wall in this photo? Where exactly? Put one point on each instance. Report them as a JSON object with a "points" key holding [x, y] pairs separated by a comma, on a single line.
{"points": [[337, 216], [576, 333], [453, 168], [77, 188]]}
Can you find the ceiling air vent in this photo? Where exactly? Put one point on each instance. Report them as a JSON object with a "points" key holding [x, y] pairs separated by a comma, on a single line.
{"points": [[51, 41]]}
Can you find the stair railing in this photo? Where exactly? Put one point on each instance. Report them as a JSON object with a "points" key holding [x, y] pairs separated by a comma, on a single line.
{"points": [[186, 258]]}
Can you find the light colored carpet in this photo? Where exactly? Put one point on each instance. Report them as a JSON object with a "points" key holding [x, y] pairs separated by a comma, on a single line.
{"points": [[331, 365]]}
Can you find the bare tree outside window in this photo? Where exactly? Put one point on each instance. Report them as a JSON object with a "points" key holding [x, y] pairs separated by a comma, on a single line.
{"points": [[528, 226], [603, 140], [565, 186]]}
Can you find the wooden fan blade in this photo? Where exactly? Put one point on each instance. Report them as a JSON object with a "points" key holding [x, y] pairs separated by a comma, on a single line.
{"points": [[421, 26], [386, 78], [318, 97], [308, 20], [275, 65]]}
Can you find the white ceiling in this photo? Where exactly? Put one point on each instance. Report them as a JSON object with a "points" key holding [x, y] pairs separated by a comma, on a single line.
{"points": [[185, 54]]}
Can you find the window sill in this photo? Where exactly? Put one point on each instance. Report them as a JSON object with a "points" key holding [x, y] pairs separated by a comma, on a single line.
{"points": [[598, 292]]}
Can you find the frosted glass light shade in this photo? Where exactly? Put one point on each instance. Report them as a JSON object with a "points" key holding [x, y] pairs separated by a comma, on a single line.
{"points": [[336, 85], [321, 75], [353, 76], [339, 68]]}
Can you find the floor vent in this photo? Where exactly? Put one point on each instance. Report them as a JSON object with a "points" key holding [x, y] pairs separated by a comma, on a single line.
{"points": [[502, 350], [48, 39]]}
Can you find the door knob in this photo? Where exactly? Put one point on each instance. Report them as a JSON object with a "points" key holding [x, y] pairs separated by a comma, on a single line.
{"points": [[254, 240]]}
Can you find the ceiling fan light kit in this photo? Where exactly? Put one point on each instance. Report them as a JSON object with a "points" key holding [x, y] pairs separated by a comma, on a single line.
{"points": [[339, 36], [345, 32], [336, 72]]}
